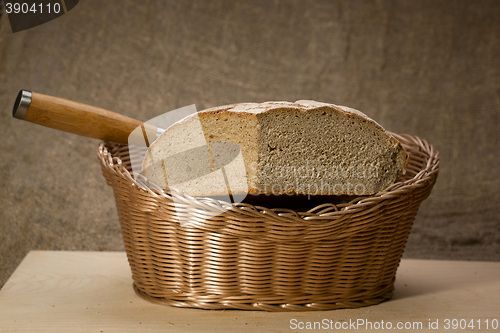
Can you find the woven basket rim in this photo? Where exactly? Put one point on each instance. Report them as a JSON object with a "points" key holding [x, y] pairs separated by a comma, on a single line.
{"points": [[319, 213]]}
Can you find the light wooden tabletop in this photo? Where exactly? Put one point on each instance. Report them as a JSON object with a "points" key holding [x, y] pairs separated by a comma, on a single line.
{"points": [[54, 291]]}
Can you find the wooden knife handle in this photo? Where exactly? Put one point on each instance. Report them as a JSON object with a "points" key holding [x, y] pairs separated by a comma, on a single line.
{"points": [[73, 117]]}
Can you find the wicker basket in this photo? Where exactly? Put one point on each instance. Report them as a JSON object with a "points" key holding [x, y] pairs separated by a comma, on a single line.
{"points": [[250, 257]]}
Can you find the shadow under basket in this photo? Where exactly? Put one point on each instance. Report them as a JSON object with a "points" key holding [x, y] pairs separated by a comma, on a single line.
{"points": [[335, 255]]}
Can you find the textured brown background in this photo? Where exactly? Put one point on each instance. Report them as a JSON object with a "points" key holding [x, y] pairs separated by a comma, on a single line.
{"points": [[428, 68]]}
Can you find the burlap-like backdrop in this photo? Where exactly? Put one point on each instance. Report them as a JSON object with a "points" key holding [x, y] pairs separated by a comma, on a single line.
{"points": [[428, 68]]}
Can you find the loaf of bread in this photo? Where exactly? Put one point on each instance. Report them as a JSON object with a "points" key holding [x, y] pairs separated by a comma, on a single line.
{"points": [[278, 148]]}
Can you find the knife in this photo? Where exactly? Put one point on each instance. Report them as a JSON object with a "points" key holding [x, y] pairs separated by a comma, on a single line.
{"points": [[78, 118], [90, 121]]}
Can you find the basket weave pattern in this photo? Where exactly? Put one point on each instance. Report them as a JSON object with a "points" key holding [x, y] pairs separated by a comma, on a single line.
{"points": [[257, 258]]}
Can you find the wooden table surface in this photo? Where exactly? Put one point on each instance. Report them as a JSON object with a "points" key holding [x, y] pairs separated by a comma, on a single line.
{"points": [[53, 291]]}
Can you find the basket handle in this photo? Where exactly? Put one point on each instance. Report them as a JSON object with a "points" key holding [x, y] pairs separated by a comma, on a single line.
{"points": [[76, 118]]}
